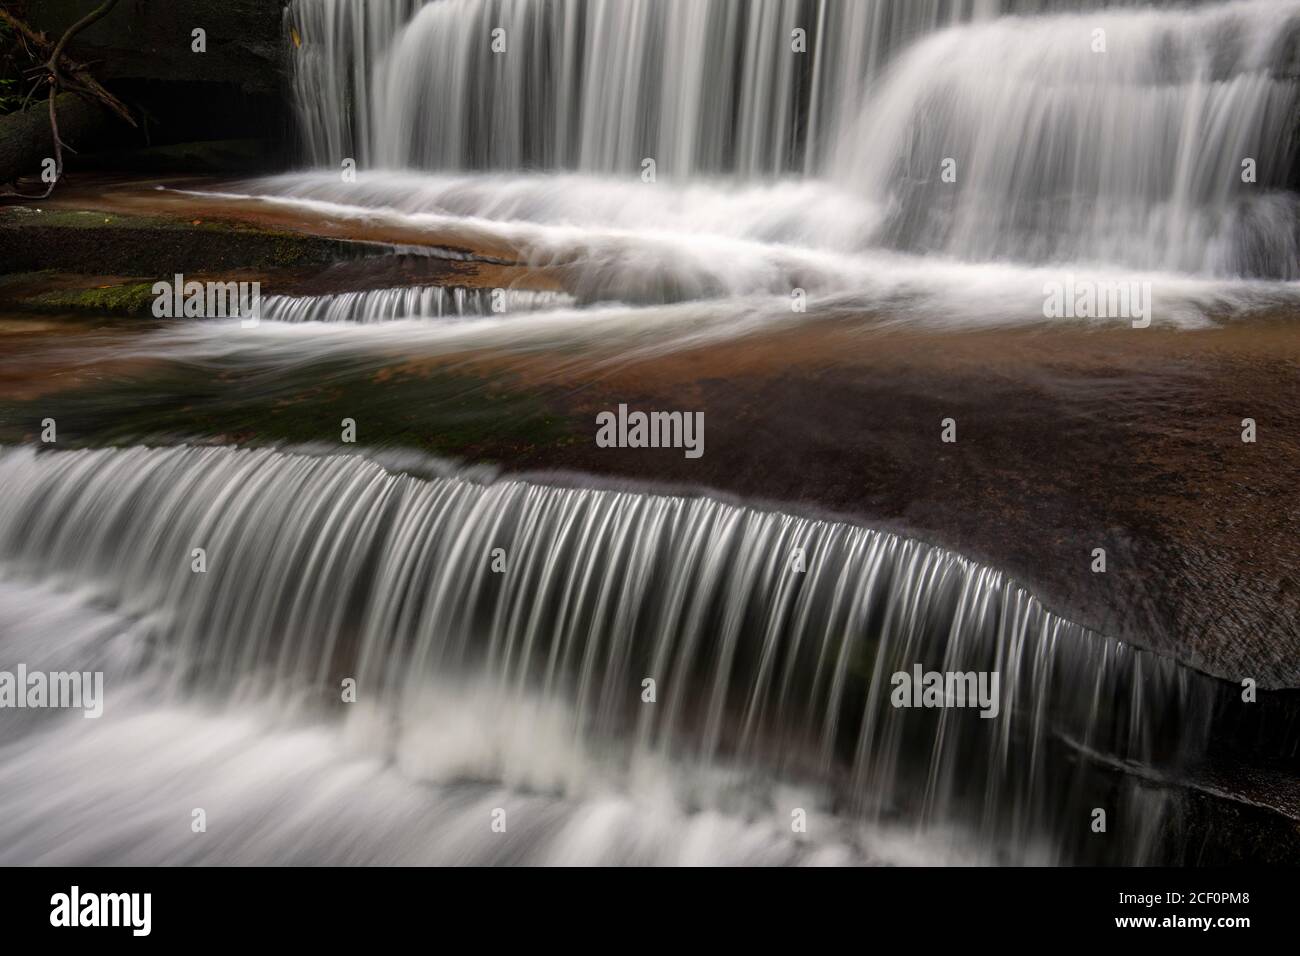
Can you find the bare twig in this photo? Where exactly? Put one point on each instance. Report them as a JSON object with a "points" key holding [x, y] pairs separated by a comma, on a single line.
{"points": [[63, 73], [58, 144], [92, 17], [66, 67]]}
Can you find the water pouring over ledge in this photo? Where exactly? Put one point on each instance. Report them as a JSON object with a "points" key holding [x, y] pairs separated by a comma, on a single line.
{"points": [[476, 684], [521, 689], [1128, 158], [1120, 171], [406, 302]]}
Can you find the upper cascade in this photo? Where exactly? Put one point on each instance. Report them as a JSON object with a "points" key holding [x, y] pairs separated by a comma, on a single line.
{"points": [[1154, 137]]}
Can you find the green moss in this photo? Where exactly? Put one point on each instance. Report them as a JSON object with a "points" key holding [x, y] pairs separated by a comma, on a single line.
{"points": [[98, 243], [84, 219], [81, 219], [133, 298], [439, 412]]}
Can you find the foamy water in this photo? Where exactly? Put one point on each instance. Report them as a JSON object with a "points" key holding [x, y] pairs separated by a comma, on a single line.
{"points": [[523, 690]]}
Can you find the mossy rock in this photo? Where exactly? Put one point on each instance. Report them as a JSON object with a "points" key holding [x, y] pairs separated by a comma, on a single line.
{"points": [[132, 298], [97, 243]]}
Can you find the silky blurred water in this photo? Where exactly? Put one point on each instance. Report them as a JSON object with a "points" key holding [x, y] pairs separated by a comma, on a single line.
{"points": [[500, 636]]}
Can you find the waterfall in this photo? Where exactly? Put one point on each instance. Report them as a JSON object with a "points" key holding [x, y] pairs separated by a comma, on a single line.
{"points": [[771, 639], [597, 85], [363, 656], [591, 84], [1065, 153], [406, 302], [1125, 155]]}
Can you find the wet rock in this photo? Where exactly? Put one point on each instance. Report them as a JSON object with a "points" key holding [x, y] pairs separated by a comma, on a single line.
{"points": [[143, 51], [95, 243], [26, 139]]}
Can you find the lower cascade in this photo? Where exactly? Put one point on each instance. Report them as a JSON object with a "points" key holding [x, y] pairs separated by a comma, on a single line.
{"points": [[367, 654], [413, 302]]}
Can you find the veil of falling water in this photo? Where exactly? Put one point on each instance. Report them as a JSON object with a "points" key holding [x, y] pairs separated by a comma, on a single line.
{"points": [[321, 567], [1125, 156], [522, 688], [381, 305]]}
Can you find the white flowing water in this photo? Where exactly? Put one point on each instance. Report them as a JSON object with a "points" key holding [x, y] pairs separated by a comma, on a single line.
{"points": [[1135, 155], [500, 634], [1089, 142], [1114, 135], [723, 86], [520, 689], [406, 302], [589, 84]]}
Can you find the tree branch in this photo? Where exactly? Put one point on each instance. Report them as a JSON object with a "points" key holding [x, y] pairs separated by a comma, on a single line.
{"points": [[63, 73], [62, 65]]}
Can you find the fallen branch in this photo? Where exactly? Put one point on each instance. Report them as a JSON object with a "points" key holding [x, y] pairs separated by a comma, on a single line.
{"points": [[62, 73], [74, 73]]}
